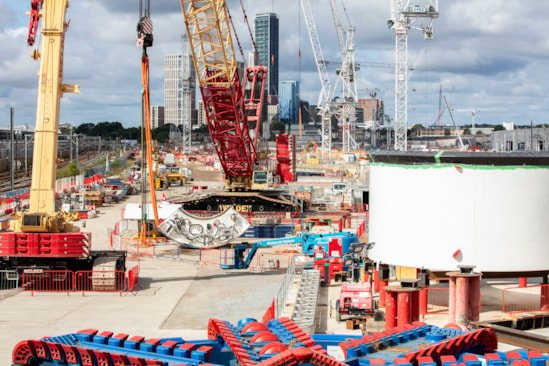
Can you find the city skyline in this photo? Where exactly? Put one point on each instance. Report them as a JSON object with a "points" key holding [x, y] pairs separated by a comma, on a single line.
{"points": [[479, 55]]}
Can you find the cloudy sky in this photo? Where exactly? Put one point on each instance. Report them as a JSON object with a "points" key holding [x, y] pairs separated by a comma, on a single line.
{"points": [[489, 55]]}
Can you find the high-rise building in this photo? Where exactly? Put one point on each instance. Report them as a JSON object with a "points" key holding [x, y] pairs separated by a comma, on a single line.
{"points": [[180, 92], [373, 110], [202, 118], [288, 101], [266, 39], [179, 87], [157, 116]]}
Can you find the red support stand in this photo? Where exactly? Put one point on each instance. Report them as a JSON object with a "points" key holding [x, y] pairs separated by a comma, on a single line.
{"points": [[414, 306], [403, 312], [382, 285], [523, 281], [474, 299], [464, 298], [401, 306], [423, 293], [390, 309]]}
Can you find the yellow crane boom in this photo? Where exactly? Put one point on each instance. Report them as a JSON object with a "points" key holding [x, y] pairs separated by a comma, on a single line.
{"points": [[50, 91]]}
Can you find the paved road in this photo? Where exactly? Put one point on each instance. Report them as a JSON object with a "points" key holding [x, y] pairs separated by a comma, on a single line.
{"points": [[174, 298]]}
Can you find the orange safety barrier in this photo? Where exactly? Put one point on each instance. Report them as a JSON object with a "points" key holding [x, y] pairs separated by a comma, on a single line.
{"points": [[38, 280], [523, 299], [434, 300], [100, 281]]}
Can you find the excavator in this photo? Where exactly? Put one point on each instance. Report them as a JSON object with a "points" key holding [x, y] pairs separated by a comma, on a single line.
{"points": [[42, 237]]}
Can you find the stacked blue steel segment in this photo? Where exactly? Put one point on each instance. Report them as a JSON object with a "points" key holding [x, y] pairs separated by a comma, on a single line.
{"points": [[279, 342]]}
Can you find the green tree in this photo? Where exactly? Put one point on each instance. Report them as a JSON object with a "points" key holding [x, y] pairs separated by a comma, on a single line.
{"points": [[467, 131], [68, 171], [499, 128], [85, 129], [447, 132], [277, 127]]}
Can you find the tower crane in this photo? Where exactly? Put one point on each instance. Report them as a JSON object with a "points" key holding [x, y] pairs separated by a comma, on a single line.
{"points": [[323, 102], [403, 15], [347, 106], [473, 112]]}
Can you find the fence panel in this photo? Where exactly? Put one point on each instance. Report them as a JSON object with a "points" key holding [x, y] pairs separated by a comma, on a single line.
{"points": [[38, 280], [264, 261], [100, 281], [9, 279], [435, 300], [524, 299]]}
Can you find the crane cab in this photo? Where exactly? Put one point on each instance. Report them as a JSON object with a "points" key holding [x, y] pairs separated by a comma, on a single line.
{"points": [[262, 180]]}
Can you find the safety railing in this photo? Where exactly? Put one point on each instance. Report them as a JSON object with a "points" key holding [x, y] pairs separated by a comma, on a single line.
{"points": [[265, 261], [283, 291], [524, 299], [434, 300], [9, 279], [38, 280]]}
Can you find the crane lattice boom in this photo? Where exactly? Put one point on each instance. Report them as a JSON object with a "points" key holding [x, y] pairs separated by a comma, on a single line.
{"points": [[210, 40]]}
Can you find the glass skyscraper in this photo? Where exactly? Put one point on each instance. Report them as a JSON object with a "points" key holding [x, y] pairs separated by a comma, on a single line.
{"points": [[266, 39], [288, 101]]}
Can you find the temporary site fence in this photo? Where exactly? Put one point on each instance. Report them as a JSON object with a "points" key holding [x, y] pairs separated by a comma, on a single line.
{"points": [[524, 299], [38, 280], [434, 300], [9, 279]]}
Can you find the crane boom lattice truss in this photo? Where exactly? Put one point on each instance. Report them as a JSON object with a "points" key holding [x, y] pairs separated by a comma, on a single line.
{"points": [[324, 97], [210, 40], [403, 14]]}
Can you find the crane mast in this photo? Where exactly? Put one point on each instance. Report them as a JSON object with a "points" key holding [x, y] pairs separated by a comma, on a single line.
{"points": [[325, 94], [403, 14], [346, 75], [50, 91]]}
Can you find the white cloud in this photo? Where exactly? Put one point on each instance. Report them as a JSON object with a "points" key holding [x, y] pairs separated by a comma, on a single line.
{"points": [[489, 55]]}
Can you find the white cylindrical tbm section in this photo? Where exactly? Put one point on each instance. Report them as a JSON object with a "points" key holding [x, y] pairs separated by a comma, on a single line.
{"points": [[436, 213]]}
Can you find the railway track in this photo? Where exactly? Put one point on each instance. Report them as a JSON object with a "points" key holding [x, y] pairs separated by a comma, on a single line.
{"points": [[22, 179]]}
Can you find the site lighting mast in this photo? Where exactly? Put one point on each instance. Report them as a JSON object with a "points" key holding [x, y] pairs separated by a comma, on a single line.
{"points": [[403, 15]]}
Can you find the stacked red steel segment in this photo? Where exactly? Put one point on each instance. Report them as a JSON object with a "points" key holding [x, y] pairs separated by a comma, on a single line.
{"points": [[73, 245]]}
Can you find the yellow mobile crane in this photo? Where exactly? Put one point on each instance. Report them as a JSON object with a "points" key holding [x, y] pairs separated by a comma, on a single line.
{"points": [[42, 238], [41, 216]]}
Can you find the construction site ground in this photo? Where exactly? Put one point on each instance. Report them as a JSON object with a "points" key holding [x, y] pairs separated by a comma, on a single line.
{"points": [[174, 298]]}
